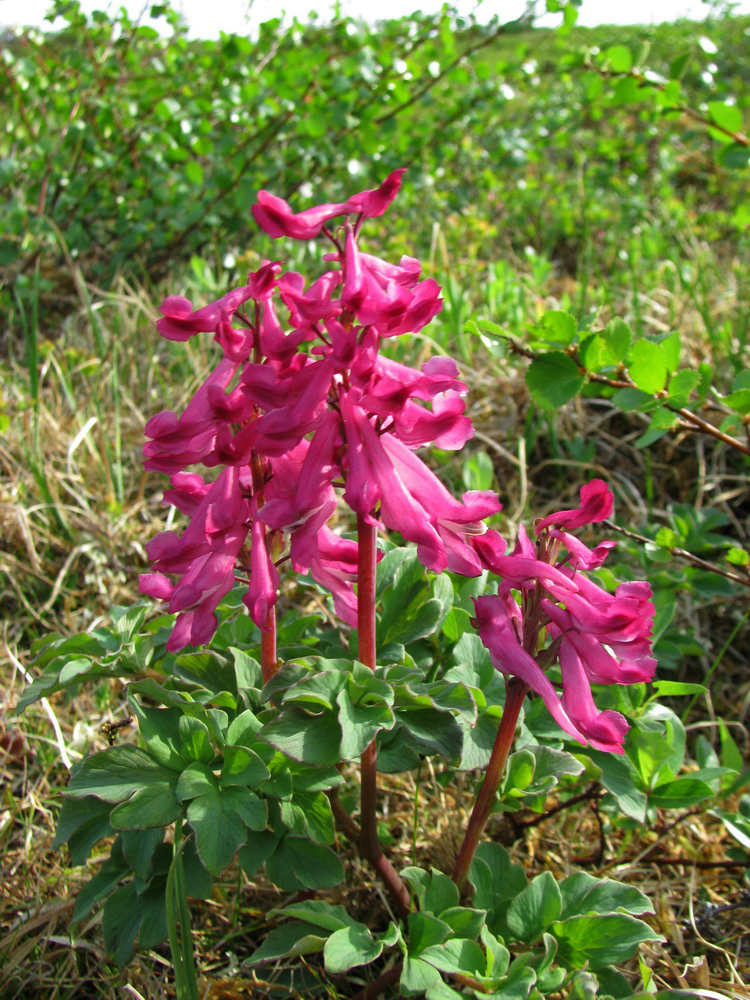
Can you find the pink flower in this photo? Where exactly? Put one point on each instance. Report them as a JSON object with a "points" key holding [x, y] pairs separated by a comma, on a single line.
{"points": [[181, 441], [375, 202], [264, 578], [597, 637], [276, 218], [314, 305], [412, 500], [596, 505], [203, 557], [301, 400], [333, 564]]}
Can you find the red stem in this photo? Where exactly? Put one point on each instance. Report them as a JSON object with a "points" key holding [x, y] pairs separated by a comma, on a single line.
{"points": [[369, 843], [268, 661], [516, 691]]}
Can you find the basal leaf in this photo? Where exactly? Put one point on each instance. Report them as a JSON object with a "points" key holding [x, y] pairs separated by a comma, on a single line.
{"points": [[535, 908], [350, 947], [600, 940], [154, 805], [288, 941], [117, 772], [242, 767], [584, 894], [456, 956]]}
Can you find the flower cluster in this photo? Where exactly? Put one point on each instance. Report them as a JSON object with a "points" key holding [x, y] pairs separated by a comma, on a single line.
{"points": [[547, 609], [303, 403]]}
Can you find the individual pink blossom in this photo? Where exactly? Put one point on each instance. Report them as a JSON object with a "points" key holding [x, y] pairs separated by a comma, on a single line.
{"points": [[375, 202], [203, 558], [177, 442], [597, 637], [275, 217], [596, 505], [332, 562]]}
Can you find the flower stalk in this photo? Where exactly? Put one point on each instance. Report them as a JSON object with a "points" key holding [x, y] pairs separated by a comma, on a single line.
{"points": [[515, 693], [369, 841]]}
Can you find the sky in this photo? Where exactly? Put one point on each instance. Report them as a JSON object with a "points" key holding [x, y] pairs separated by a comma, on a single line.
{"points": [[206, 19]]}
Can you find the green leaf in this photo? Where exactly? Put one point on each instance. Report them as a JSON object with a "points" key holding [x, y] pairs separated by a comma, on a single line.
{"points": [[735, 156], [619, 59], [681, 793], [425, 929], [617, 336], [584, 894], [160, 730], [671, 689], [117, 773], [496, 881], [435, 892], [316, 816], [728, 116], [519, 773], [739, 401], [648, 366], [550, 765], [219, 833], [600, 940], [464, 921], [194, 172], [311, 866], [152, 806], [248, 674], [634, 399], [259, 847], [498, 956], [418, 976], [594, 353], [738, 557], [121, 920], [432, 731], [252, 810], [360, 723], [478, 472], [82, 823], [671, 345], [327, 916], [198, 881], [681, 387], [662, 420], [98, 889], [442, 991], [560, 327], [195, 780], [535, 908], [730, 753], [129, 622], [620, 777], [350, 947], [553, 380], [456, 624], [242, 767], [312, 739], [288, 941], [456, 956], [196, 741]]}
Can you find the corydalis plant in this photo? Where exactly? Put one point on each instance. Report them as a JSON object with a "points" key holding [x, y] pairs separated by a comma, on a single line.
{"points": [[297, 408]]}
